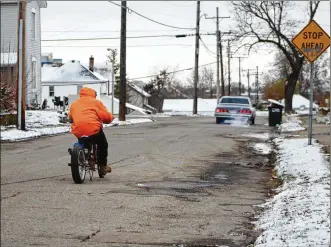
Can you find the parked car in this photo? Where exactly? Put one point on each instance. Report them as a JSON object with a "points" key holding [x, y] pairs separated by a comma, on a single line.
{"points": [[235, 108]]}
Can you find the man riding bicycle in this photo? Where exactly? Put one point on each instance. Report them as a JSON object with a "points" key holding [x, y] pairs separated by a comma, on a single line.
{"points": [[87, 115]]}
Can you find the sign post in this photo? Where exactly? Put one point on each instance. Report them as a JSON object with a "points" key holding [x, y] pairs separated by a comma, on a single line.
{"points": [[312, 42]]}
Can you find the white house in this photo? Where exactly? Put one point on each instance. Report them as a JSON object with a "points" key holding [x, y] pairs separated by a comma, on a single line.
{"points": [[9, 43], [300, 103], [68, 80]]}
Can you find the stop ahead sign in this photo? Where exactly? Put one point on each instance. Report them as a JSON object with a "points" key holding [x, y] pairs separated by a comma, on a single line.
{"points": [[312, 41]]}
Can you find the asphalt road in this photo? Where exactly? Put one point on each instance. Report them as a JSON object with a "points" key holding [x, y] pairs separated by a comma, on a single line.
{"points": [[180, 180]]}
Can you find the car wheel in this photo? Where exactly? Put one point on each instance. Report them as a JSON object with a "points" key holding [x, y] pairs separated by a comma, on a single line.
{"points": [[218, 120]]}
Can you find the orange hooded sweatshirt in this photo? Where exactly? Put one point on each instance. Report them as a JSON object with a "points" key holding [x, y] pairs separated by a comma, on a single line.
{"points": [[88, 114]]}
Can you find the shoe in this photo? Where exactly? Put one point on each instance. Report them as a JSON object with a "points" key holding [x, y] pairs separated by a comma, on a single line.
{"points": [[107, 169]]}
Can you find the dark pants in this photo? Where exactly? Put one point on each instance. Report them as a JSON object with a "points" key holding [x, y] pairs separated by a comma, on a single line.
{"points": [[102, 146]]}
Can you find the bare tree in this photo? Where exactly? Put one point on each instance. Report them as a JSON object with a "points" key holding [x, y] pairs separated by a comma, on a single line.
{"points": [[268, 22], [207, 80]]}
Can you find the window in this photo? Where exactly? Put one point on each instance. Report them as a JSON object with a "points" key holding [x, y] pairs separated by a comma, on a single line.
{"points": [[34, 22], [79, 87], [51, 91], [241, 101], [34, 74]]}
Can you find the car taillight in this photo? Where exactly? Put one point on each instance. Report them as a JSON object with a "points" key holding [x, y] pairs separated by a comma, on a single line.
{"points": [[245, 111], [221, 110]]}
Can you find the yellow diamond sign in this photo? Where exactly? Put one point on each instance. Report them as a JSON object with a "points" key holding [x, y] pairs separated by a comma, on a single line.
{"points": [[312, 41]]}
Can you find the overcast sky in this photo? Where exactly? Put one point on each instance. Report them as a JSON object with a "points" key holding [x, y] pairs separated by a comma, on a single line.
{"points": [[87, 19]]}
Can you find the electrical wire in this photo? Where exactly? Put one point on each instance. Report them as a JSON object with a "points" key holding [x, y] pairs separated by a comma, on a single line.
{"points": [[132, 11], [130, 37], [105, 46], [173, 72], [213, 54]]}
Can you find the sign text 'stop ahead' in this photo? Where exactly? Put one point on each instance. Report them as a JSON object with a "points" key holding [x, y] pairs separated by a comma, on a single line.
{"points": [[312, 41]]}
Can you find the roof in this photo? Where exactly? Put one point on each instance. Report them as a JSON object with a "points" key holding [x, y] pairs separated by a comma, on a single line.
{"points": [[298, 101], [8, 58], [139, 90], [71, 72]]}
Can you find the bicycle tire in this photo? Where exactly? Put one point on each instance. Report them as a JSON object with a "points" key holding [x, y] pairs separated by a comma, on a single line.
{"points": [[75, 165]]}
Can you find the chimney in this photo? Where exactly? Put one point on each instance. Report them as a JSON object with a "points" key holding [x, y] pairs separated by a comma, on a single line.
{"points": [[91, 66]]}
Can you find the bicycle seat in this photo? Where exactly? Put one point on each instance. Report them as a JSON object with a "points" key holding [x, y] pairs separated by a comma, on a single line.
{"points": [[85, 140]]}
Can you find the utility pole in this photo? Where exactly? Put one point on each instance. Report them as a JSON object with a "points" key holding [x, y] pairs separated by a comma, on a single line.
{"points": [[218, 36], [257, 85], [229, 77], [219, 55], [239, 73], [222, 67], [256, 74], [21, 66], [122, 110], [196, 62], [112, 57], [249, 89]]}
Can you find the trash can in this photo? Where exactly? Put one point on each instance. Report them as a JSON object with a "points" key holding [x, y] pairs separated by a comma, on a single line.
{"points": [[275, 114]]}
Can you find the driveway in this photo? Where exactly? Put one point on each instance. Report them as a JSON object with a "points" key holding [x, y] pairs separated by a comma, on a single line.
{"points": [[180, 180]]}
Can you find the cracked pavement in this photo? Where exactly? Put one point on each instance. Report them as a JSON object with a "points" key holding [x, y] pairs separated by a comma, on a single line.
{"points": [[179, 180]]}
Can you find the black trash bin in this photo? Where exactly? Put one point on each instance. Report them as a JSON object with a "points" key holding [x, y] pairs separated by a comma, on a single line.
{"points": [[275, 114]]}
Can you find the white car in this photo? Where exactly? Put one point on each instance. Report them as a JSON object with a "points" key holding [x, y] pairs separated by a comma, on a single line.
{"points": [[235, 107]]}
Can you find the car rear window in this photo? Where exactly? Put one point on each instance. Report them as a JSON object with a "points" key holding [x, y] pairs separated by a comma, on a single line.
{"points": [[235, 101]]}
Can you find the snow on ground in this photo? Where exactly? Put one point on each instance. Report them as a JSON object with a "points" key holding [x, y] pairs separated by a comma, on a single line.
{"points": [[299, 214], [128, 122], [290, 124], [262, 113], [323, 119], [46, 123], [190, 114], [35, 119], [263, 148], [262, 136], [15, 134]]}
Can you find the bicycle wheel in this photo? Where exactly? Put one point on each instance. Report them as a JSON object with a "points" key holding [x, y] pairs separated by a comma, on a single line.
{"points": [[78, 169]]}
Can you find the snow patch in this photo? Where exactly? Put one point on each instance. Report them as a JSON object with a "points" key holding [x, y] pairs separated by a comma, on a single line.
{"points": [[47, 123], [323, 120], [263, 148], [290, 124], [263, 136], [262, 113], [299, 214]]}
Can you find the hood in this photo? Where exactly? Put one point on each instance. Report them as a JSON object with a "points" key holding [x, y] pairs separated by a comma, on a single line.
{"points": [[87, 92]]}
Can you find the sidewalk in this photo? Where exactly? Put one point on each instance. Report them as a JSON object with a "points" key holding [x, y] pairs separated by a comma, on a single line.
{"points": [[298, 215], [321, 132]]}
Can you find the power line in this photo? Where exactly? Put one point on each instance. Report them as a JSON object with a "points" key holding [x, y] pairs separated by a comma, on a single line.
{"points": [[131, 10], [107, 46], [173, 72], [130, 37], [213, 54]]}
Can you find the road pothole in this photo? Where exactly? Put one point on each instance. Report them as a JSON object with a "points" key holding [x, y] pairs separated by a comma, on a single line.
{"points": [[185, 186]]}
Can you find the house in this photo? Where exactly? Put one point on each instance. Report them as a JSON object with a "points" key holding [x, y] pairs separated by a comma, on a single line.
{"points": [[300, 103], [138, 97], [9, 45], [135, 95], [69, 79], [47, 58]]}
